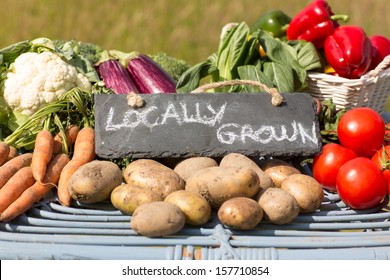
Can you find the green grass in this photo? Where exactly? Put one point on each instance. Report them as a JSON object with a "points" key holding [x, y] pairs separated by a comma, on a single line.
{"points": [[186, 29]]}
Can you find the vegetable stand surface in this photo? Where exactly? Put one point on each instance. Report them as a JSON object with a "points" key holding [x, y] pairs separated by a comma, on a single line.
{"points": [[48, 222], [99, 231]]}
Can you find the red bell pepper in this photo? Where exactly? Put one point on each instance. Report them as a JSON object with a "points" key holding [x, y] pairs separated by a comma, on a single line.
{"points": [[380, 49], [314, 23], [348, 51]]}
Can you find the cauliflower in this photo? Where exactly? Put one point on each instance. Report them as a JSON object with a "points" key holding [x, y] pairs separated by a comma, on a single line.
{"points": [[36, 79]]}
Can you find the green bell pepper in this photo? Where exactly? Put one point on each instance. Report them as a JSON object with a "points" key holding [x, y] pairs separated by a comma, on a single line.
{"points": [[273, 21]]}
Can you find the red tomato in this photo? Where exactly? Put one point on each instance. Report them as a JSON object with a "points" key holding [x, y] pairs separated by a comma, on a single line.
{"points": [[360, 184], [381, 159], [361, 130], [327, 164]]}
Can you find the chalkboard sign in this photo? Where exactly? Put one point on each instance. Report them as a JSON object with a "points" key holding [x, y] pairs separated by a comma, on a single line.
{"points": [[206, 124]]}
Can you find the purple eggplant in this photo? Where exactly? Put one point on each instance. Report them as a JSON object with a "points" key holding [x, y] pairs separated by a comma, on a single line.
{"points": [[115, 77], [148, 76]]}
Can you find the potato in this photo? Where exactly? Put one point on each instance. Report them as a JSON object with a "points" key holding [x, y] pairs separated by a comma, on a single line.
{"points": [[306, 190], [239, 160], [279, 206], [127, 198], [218, 184], [157, 218], [195, 207], [188, 166], [240, 213], [278, 170], [151, 174], [94, 181]]}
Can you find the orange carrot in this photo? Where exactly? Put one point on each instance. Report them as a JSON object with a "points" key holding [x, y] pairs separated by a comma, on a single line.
{"points": [[42, 154], [13, 152], [84, 151], [63, 193], [4, 151], [37, 191], [84, 146], [70, 133], [15, 186], [8, 169]]}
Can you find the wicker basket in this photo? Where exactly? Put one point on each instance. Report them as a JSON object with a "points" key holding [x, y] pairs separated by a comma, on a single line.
{"points": [[371, 90]]}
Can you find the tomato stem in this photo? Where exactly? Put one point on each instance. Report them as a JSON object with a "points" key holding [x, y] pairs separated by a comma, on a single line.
{"points": [[384, 160]]}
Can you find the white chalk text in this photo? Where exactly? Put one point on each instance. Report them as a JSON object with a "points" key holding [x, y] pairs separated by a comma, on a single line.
{"points": [[226, 133]]}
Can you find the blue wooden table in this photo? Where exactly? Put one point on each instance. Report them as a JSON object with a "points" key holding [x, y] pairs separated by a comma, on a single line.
{"points": [[52, 231]]}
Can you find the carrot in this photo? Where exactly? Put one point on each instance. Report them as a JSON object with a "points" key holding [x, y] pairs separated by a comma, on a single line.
{"points": [[37, 191], [70, 133], [8, 169], [13, 152], [84, 151], [42, 154], [4, 151], [84, 148], [63, 193], [15, 186]]}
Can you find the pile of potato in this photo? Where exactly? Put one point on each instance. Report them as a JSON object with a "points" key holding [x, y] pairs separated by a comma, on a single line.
{"points": [[162, 199]]}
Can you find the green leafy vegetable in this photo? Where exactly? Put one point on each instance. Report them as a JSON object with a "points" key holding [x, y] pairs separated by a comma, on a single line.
{"points": [[191, 79], [252, 72], [281, 75], [283, 66], [82, 56], [232, 51], [4, 111], [329, 118], [10, 53], [307, 54]]}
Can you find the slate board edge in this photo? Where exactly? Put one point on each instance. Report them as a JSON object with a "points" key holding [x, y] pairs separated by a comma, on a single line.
{"points": [[106, 153]]}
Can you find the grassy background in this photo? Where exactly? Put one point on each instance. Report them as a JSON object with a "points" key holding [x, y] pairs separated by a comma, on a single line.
{"points": [[185, 29]]}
